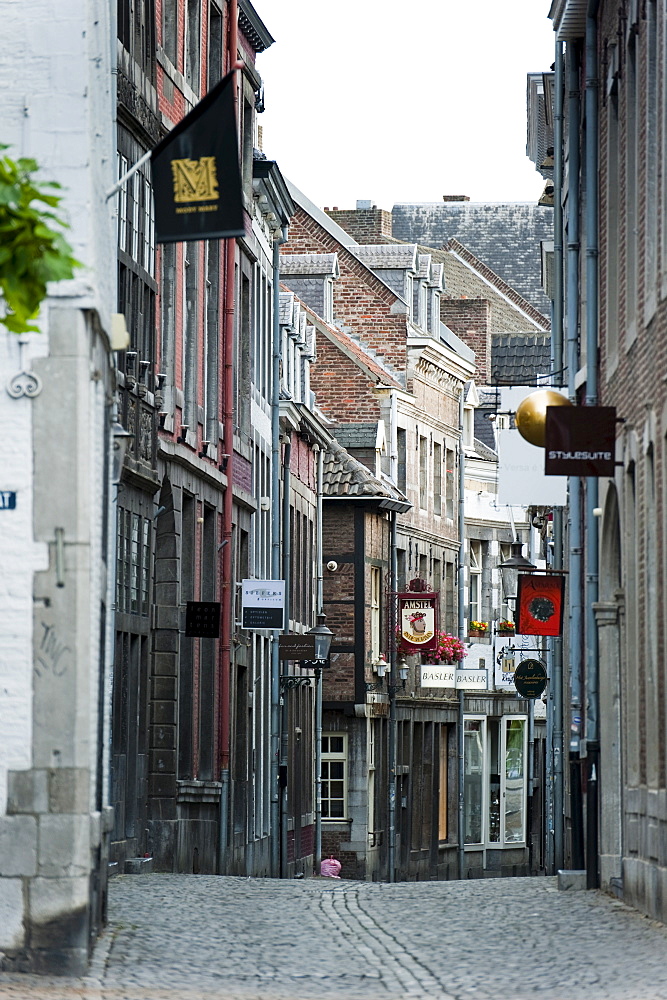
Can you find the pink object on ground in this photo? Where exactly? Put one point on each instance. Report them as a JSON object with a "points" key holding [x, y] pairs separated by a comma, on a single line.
{"points": [[330, 868]]}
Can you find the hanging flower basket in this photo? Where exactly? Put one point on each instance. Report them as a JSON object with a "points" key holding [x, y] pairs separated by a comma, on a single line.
{"points": [[505, 628]]}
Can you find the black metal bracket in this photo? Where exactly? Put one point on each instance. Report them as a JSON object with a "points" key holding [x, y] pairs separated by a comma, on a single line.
{"points": [[287, 681]]}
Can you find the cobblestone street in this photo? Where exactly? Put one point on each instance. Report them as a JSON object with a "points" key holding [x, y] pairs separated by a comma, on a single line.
{"points": [[178, 937]]}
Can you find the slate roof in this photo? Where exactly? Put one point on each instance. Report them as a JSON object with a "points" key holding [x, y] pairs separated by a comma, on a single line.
{"points": [[390, 255], [533, 317], [484, 451], [344, 476], [506, 236], [287, 300], [484, 430], [517, 359], [309, 263], [357, 435]]}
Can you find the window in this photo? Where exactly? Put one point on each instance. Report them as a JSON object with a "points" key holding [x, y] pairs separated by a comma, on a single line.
{"points": [[506, 611], [214, 58], [474, 738], [133, 557], [137, 287], [495, 780], [437, 478], [376, 632], [631, 192], [170, 30], [423, 472], [334, 776], [136, 30], [612, 236], [193, 43], [190, 381], [475, 582], [401, 446], [212, 302], [168, 322], [450, 482]]}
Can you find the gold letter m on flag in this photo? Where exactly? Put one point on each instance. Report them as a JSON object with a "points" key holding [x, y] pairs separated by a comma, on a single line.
{"points": [[195, 180]]}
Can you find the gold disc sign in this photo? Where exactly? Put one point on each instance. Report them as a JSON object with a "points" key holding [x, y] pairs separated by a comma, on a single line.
{"points": [[417, 622]]}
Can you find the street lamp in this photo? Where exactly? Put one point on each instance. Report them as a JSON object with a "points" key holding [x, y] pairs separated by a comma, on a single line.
{"points": [[511, 567], [121, 440], [323, 637]]}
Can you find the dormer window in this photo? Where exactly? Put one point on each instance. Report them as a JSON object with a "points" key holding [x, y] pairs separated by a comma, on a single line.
{"points": [[328, 301]]}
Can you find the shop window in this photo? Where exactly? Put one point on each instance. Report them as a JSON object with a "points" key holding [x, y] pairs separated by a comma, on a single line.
{"points": [[495, 781], [334, 776]]}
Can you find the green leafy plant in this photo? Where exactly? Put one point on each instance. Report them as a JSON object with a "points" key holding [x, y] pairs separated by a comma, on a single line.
{"points": [[32, 251]]}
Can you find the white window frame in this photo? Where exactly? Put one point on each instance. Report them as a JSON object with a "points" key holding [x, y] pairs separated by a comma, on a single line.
{"points": [[485, 734], [328, 757]]}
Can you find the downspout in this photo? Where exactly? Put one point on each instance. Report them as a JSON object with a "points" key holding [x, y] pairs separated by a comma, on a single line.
{"points": [[318, 672], [228, 504], [592, 544], [393, 722], [576, 555], [555, 850], [462, 636], [275, 557], [287, 577]]}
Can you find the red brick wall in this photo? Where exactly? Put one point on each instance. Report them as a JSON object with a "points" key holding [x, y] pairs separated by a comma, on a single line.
{"points": [[470, 319], [342, 388], [362, 302]]}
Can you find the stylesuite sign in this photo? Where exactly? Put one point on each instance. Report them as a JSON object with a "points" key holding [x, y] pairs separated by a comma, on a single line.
{"points": [[580, 441]]}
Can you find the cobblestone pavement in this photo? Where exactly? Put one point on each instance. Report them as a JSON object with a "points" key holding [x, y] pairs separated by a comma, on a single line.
{"points": [[196, 937]]}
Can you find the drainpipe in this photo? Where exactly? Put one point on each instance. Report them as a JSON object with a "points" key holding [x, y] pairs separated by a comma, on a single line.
{"points": [[318, 671], [575, 561], [287, 577], [228, 504], [462, 636], [275, 558], [393, 722], [556, 695], [592, 554]]}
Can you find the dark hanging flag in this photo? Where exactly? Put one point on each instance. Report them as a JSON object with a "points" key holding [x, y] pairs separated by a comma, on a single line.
{"points": [[196, 173]]}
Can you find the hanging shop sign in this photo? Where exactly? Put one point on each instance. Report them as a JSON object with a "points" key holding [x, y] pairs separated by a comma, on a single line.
{"points": [[202, 619], [263, 604], [196, 174], [417, 620], [580, 441], [530, 678], [540, 604]]}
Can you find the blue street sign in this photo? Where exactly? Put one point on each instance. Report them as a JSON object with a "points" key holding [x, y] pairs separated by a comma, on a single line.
{"points": [[7, 500]]}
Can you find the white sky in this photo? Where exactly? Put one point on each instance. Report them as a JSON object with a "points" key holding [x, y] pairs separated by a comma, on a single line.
{"points": [[402, 101]]}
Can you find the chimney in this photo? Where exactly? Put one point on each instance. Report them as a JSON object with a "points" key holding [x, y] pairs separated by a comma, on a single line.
{"points": [[456, 197]]}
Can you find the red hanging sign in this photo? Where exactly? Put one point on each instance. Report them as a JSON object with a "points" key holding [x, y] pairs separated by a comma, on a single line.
{"points": [[540, 604], [417, 620]]}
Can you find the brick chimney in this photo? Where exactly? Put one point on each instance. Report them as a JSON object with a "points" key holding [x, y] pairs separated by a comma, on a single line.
{"points": [[366, 223]]}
